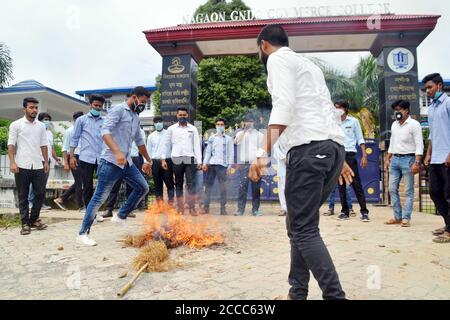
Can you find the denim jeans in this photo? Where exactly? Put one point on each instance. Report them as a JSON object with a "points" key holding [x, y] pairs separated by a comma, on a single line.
{"points": [[401, 167], [107, 176], [332, 198]]}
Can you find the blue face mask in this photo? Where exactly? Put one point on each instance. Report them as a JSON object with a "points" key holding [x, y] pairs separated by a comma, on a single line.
{"points": [[159, 126], [437, 95], [220, 130], [95, 113], [183, 121], [47, 124]]}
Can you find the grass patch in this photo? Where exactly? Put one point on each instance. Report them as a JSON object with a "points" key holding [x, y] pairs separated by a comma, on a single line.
{"points": [[10, 221]]}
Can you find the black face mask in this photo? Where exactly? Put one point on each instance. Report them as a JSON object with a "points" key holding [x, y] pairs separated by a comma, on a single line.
{"points": [[138, 108], [399, 116]]}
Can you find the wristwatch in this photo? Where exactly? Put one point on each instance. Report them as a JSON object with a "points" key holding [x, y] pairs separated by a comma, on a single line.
{"points": [[261, 153]]}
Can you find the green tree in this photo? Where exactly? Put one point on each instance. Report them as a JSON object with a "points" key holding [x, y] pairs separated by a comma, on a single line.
{"points": [[157, 95], [6, 66]]}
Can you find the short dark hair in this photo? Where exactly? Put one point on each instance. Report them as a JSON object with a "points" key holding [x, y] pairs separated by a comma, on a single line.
{"points": [[157, 119], [96, 97], [402, 104], [140, 91], [222, 120], [77, 114], [275, 35], [344, 104], [435, 77], [43, 115], [28, 100], [182, 109]]}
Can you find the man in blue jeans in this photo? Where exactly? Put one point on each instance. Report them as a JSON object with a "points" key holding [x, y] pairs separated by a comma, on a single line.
{"points": [[120, 129], [403, 160]]}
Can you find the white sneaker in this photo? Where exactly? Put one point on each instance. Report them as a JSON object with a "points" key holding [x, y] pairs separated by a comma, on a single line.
{"points": [[85, 240], [100, 218], [122, 222]]}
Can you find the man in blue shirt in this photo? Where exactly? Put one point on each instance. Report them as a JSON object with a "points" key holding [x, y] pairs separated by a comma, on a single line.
{"points": [[353, 137], [87, 136], [438, 155], [219, 157], [120, 129]]}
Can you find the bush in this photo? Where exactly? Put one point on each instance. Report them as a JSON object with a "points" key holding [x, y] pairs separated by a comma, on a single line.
{"points": [[3, 140]]}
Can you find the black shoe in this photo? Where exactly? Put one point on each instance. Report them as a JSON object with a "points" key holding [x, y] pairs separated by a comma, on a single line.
{"points": [[108, 214], [132, 215], [26, 230], [223, 212], [330, 212], [343, 216], [365, 217], [38, 225]]}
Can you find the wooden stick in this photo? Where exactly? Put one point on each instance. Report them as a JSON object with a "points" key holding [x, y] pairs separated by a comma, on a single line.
{"points": [[128, 286]]}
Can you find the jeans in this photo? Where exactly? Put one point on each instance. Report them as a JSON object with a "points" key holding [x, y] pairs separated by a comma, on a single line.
{"points": [[332, 198], [221, 173], [37, 178], [87, 171], [401, 167], [107, 176], [182, 166], [350, 158], [161, 177], [312, 172], [76, 188], [440, 191], [243, 186]]}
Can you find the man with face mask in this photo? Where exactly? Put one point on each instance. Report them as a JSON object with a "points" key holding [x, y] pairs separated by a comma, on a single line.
{"points": [[403, 160], [121, 127], [218, 161], [248, 141], [438, 155], [182, 144], [87, 136], [160, 176], [307, 126]]}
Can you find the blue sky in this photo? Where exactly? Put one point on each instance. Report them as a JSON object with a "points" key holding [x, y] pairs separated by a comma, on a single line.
{"points": [[71, 45]]}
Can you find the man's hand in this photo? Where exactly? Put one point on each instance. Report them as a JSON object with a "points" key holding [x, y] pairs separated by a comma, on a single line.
{"points": [[147, 168], [364, 162], [347, 175], [205, 168], [164, 165], [66, 167], [120, 159], [14, 168], [415, 168], [46, 167], [199, 167], [427, 161], [387, 165], [73, 163], [258, 169], [447, 161]]}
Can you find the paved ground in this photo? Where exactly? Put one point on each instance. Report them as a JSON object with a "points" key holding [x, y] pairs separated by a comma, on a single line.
{"points": [[374, 261]]}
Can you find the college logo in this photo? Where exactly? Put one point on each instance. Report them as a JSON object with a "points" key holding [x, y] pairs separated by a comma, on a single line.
{"points": [[401, 60], [176, 67]]}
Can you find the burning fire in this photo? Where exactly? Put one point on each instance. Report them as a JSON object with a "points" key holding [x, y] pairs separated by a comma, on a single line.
{"points": [[164, 223]]}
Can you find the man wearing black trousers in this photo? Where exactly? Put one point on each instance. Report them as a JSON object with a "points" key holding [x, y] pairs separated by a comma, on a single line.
{"points": [[353, 137], [305, 122], [27, 146]]}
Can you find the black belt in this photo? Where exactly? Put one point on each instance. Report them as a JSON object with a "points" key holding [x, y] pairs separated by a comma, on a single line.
{"points": [[405, 155]]}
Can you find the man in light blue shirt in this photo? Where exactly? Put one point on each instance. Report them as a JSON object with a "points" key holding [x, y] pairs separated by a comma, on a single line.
{"points": [[120, 129], [218, 159], [156, 149], [87, 136], [438, 155], [353, 137]]}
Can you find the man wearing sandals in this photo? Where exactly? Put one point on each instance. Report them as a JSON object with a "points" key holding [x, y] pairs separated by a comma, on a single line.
{"points": [[438, 155], [403, 160]]}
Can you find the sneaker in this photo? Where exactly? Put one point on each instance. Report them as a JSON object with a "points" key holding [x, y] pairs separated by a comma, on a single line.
{"points": [[239, 214], [257, 213], [85, 240], [26, 230], [108, 214], [59, 203], [352, 213], [343, 216], [45, 207], [99, 218], [38, 225], [121, 222], [365, 217], [330, 212]]}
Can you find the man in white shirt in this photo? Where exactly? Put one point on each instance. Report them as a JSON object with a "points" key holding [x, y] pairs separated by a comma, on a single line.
{"points": [[308, 125], [27, 146], [403, 160], [186, 155], [248, 141], [155, 149]]}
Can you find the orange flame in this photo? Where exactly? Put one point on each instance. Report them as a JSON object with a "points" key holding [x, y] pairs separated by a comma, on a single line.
{"points": [[163, 222]]}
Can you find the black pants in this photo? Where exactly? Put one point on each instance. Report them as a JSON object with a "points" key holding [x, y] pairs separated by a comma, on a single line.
{"points": [[37, 178], [243, 187], [182, 166], [77, 187], [310, 179], [113, 195], [440, 191], [350, 158], [87, 172], [221, 173], [161, 177]]}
